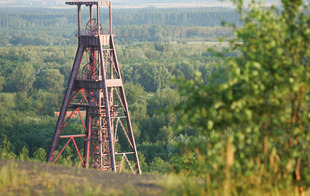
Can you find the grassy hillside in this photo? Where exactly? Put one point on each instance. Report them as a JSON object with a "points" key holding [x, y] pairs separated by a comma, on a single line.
{"points": [[30, 178]]}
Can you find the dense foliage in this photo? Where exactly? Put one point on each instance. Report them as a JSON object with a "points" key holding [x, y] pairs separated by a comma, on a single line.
{"points": [[33, 88], [252, 117]]}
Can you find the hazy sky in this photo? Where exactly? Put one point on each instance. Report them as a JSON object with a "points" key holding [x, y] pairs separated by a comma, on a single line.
{"points": [[117, 3], [125, 3]]}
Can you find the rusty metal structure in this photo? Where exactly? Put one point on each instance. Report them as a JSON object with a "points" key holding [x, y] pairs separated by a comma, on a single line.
{"points": [[95, 93]]}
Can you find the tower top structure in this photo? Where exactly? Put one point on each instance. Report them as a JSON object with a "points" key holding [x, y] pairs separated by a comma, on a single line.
{"points": [[94, 26], [88, 3]]}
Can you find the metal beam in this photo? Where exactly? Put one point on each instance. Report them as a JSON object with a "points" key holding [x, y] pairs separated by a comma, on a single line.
{"points": [[75, 68]]}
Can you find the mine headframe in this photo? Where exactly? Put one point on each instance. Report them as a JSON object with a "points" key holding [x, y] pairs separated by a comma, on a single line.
{"points": [[95, 95]]}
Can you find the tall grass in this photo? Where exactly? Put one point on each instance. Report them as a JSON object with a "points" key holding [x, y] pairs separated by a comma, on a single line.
{"points": [[12, 181]]}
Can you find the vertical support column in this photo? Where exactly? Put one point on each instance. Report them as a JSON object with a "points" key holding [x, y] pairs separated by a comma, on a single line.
{"points": [[110, 17], [107, 107], [111, 67], [91, 15], [100, 133], [91, 12], [79, 19], [88, 135], [88, 116]]}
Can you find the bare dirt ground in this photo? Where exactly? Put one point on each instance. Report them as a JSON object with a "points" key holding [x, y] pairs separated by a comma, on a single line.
{"points": [[30, 178]]}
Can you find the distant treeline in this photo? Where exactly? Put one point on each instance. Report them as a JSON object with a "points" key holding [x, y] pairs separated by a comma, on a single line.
{"points": [[34, 17], [29, 26]]}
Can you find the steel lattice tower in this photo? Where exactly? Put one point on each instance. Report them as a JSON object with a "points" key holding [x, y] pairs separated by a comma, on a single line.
{"points": [[96, 91]]}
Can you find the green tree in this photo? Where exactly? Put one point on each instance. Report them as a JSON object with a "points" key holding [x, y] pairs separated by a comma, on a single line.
{"points": [[5, 148], [156, 33], [159, 126], [50, 80], [159, 166], [24, 154], [22, 78], [254, 110], [40, 154], [2, 82], [22, 101]]}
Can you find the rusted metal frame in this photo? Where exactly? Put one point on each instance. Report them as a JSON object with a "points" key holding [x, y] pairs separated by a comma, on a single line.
{"points": [[91, 13], [111, 77], [114, 83], [74, 96], [105, 97], [87, 138], [130, 142], [117, 71], [107, 108], [106, 149], [112, 105], [100, 138], [78, 109], [120, 99], [114, 67], [111, 114], [69, 136], [99, 63], [77, 150], [116, 127], [69, 117], [90, 54], [129, 164], [84, 96], [94, 148], [80, 91], [121, 153], [92, 57], [87, 3], [93, 62], [63, 148], [125, 106], [108, 103], [130, 130], [79, 19], [65, 103], [110, 17]]}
